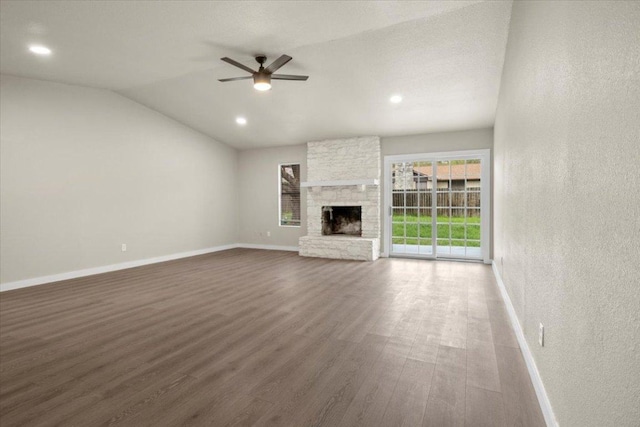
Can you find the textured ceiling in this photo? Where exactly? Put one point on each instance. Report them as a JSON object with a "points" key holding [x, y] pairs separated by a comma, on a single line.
{"points": [[445, 58]]}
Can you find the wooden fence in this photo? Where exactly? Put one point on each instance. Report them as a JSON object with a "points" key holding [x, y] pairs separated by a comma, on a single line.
{"points": [[456, 200]]}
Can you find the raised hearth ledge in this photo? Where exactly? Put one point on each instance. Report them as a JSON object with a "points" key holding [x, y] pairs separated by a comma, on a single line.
{"points": [[340, 247]]}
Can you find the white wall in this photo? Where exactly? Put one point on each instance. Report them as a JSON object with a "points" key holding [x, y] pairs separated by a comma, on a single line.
{"points": [[474, 139], [84, 170], [567, 201], [258, 210]]}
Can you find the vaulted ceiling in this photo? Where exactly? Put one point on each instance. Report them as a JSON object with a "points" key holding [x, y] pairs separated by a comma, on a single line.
{"points": [[444, 57]]}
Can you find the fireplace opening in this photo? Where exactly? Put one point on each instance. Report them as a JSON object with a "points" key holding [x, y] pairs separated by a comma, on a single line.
{"points": [[342, 220]]}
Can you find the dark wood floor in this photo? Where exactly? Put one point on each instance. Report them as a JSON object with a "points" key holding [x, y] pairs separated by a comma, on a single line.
{"points": [[249, 337]]}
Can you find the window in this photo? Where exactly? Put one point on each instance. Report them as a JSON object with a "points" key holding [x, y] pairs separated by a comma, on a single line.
{"points": [[289, 195]]}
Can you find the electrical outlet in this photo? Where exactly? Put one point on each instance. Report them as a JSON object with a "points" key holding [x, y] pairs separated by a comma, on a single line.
{"points": [[124, 247], [268, 234], [541, 335]]}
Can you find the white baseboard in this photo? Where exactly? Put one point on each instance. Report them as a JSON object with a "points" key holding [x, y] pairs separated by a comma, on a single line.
{"points": [[268, 247], [130, 264], [543, 399], [107, 268]]}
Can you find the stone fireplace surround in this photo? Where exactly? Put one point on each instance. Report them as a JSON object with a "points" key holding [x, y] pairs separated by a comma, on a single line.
{"points": [[343, 172]]}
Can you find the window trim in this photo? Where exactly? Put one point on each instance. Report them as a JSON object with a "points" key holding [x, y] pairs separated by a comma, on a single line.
{"points": [[280, 195]]}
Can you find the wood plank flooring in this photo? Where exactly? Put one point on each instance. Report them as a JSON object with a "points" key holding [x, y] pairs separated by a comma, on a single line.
{"points": [[267, 338]]}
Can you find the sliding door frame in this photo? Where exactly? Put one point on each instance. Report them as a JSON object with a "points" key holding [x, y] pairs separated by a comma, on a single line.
{"points": [[485, 194]]}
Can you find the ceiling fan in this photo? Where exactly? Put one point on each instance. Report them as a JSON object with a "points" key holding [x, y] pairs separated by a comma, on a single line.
{"points": [[262, 78]]}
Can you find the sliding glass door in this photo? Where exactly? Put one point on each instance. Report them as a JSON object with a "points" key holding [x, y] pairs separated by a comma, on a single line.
{"points": [[438, 205], [411, 209]]}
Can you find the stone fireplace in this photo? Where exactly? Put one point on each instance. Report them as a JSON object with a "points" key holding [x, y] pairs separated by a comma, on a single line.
{"points": [[343, 199]]}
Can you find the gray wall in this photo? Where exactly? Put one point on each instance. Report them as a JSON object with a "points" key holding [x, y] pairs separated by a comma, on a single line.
{"points": [[259, 174], [567, 201], [259, 179], [84, 170], [474, 139]]}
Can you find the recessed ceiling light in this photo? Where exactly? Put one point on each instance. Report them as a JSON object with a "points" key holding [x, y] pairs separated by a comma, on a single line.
{"points": [[395, 99], [241, 121], [40, 50]]}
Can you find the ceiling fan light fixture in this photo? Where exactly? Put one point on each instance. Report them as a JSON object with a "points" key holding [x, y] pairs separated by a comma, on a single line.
{"points": [[261, 82]]}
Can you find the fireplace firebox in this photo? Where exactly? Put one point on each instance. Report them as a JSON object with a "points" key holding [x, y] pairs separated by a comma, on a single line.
{"points": [[342, 220]]}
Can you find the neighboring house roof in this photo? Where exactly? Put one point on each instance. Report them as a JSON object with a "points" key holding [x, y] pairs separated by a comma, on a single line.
{"points": [[457, 171]]}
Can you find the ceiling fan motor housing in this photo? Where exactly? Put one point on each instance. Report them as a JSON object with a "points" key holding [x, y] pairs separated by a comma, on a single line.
{"points": [[261, 77]]}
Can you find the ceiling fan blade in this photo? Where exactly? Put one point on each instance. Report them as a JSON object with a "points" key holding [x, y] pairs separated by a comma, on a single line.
{"points": [[233, 79], [288, 77], [237, 64], [278, 63]]}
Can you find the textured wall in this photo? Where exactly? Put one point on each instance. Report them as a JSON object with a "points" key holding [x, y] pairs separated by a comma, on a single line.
{"points": [[84, 170], [473, 139], [258, 175], [567, 201]]}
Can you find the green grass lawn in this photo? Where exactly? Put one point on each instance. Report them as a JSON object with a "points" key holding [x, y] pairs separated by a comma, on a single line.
{"points": [[451, 230], [287, 219]]}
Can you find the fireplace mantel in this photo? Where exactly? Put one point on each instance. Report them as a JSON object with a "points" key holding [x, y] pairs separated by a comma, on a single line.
{"points": [[340, 183]]}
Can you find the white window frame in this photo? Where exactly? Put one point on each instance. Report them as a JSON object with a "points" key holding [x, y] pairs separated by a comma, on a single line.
{"points": [[280, 195]]}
